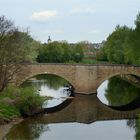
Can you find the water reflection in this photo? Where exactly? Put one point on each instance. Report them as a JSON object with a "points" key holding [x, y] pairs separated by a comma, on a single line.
{"points": [[84, 117], [118, 92], [27, 130], [82, 109], [54, 87], [135, 124]]}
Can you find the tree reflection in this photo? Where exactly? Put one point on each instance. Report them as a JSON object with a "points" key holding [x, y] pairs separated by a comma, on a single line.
{"points": [[120, 92], [52, 81], [29, 129], [135, 124]]}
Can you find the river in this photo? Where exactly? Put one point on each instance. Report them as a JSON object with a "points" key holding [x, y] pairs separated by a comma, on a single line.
{"points": [[108, 115]]}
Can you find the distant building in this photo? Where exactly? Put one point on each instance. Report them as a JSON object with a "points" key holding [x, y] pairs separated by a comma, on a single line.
{"points": [[49, 39]]}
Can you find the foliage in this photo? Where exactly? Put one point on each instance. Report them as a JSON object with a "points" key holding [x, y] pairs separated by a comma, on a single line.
{"points": [[135, 124], [16, 47], [122, 45], [52, 81], [8, 112], [120, 92], [24, 100], [77, 52], [30, 129], [59, 52], [132, 44], [114, 46], [29, 101]]}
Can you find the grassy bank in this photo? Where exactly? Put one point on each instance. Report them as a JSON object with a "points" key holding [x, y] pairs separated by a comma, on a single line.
{"points": [[19, 102]]}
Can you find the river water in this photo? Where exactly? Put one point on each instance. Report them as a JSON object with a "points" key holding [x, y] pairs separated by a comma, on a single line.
{"points": [[108, 115]]}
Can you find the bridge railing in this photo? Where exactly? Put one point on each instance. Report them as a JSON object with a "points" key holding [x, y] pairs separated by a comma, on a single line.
{"points": [[80, 64]]}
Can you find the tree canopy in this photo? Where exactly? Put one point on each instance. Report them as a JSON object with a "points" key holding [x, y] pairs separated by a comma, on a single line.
{"points": [[123, 45], [16, 47], [60, 52]]}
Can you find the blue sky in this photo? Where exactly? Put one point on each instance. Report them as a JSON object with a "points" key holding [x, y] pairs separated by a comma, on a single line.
{"points": [[71, 20]]}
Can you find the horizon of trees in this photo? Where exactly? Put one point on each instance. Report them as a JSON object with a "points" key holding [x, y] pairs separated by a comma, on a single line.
{"points": [[122, 46], [60, 52]]}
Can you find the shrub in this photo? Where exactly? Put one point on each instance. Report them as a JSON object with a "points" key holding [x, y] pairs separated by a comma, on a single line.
{"points": [[24, 100]]}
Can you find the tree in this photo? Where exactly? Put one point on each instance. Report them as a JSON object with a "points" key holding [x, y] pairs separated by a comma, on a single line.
{"points": [[114, 46], [77, 52], [132, 44], [15, 48], [137, 22], [52, 53]]}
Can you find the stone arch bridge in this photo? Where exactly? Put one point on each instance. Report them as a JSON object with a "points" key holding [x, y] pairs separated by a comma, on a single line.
{"points": [[84, 78]]}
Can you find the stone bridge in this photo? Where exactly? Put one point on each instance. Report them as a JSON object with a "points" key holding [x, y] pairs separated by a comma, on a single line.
{"points": [[84, 78]]}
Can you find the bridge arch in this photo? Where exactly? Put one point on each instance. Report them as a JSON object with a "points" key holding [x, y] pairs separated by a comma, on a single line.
{"points": [[113, 74], [46, 73]]}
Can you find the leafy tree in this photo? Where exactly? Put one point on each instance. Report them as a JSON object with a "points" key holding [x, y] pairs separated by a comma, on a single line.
{"points": [[77, 52], [123, 45], [59, 52], [15, 48], [137, 23], [67, 52], [101, 54], [132, 44], [114, 46], [52, 52]]}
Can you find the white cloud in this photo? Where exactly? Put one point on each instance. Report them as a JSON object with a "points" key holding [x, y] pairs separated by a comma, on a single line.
{"points": [[94, 32], [83, 10], [43, 16]]}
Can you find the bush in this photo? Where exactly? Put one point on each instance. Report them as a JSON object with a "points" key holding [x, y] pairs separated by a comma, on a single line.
{"points": [[30, 100], [24, 100], [8, 112]]}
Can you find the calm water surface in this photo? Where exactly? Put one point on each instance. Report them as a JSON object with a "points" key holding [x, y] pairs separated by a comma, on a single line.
{"points": [[82, 117]]}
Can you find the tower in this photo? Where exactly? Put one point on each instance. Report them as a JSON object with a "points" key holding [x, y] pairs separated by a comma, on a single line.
{"points": [[49, 39]]}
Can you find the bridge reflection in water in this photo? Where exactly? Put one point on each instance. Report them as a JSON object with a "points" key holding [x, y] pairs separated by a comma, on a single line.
{"points": [[88, 109], [81, 109]]}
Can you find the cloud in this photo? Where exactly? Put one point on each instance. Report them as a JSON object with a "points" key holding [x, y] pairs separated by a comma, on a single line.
{"points": [[94, 32], [83, 10], [43, 16]]}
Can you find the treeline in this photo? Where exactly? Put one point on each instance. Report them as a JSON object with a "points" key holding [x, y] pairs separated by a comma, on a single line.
{"points": [[16, 47], [122, 45], [60, 52]]}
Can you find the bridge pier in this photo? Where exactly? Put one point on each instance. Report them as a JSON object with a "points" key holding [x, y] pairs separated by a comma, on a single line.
{"points": [[85, 91], [86, 80]]}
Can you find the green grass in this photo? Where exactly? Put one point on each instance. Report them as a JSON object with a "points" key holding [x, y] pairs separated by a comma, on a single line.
{"points": [[8, 112]]}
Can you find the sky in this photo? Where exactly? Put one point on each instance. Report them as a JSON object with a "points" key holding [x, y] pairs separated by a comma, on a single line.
{"points": [[70, 20]]}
